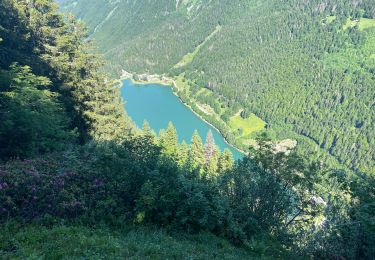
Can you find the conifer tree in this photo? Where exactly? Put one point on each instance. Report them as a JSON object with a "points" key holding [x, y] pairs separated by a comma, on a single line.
{"points": [[148, 134], [209, 147], [183, 153], [147, 131], [225, 161], [196, 152], [212, 165], [212, 154], [168, 140]]}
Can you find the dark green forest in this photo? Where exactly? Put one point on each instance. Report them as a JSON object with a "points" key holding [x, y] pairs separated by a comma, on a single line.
{"points": [[79, 180], [304, 67]]}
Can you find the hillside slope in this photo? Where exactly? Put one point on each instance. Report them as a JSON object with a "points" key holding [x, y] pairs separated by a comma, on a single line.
{"points": [[306, 68], [80, 242], [76, 175]]}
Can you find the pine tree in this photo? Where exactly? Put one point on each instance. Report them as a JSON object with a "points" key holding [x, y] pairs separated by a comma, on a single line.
{"points": [[168, 141], [183, 153], [147, 131], [225, 161], [210, 147], [212, 165], [196, 152], [211, 153]]}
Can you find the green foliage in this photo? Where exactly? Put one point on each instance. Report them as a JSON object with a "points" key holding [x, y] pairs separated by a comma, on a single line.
{"points": [[346, 227], [272, 191], [147, 131], [54, 46], [274, 203], [290, 63], [183, 153], [271, 195], [80, 242], [168, 140], [196, 158], [27, 110], [225, 162], [212, 154], [188, 58], [246, 126]]}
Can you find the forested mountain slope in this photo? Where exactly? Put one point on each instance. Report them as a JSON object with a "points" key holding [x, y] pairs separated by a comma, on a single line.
{"points": [[305, 67]]}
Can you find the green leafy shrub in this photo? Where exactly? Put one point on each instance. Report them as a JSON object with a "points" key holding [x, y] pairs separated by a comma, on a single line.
{"points": [[32, 115]]}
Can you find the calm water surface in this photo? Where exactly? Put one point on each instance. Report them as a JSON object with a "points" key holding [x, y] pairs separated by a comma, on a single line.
{"points": [[158, 105]]}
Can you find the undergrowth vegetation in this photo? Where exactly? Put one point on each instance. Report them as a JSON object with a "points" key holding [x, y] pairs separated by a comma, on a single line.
{"points": [[81, 242]]}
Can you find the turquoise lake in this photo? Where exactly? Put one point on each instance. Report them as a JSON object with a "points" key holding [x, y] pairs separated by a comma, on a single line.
{"points": [[158, 105]]}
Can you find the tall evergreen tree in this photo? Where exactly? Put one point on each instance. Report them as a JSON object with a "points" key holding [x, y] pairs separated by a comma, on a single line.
{"points": [[147, 131], [225, 161], [211, 166], [168, 140], [212, 154], [183, 153], [196, 152], [210, 146]]}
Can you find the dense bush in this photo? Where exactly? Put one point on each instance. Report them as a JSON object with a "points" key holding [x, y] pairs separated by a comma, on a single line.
{"points": [[110, 183], [269, 195]]}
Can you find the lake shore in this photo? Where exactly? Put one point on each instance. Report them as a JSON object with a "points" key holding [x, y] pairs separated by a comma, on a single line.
{"points": [[169, 82]]}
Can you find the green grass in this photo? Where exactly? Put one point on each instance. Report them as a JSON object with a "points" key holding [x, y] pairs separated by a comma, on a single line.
{"points": [[188, 58], [182, 83], [349, 24], [203, 91], [363, 23], [244, 128], [78, 242], [366, 23], [331, 18]]}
